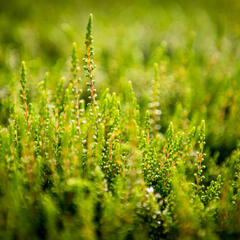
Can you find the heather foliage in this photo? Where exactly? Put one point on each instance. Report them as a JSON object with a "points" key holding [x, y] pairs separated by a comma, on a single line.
{"points": [[78, 162]]}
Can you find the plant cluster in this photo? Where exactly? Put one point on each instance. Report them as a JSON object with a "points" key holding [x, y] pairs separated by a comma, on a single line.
{"points": [[77, 167]]}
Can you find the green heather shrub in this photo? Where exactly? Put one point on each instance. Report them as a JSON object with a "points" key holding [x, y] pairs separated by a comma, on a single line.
{"points": [[75, 165]]}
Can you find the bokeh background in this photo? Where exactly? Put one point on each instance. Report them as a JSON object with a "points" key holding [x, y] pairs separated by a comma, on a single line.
{"points": [[195, 43]]}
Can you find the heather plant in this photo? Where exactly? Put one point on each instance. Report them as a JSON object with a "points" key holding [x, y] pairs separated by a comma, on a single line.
{"points": [[75, 165]]}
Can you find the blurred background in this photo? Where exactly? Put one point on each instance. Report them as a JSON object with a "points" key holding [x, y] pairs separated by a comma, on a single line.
{"points": [[195, 43]]}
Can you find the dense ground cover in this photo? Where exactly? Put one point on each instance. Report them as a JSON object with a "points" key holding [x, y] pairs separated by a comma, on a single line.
{"points": [[85, 153]]}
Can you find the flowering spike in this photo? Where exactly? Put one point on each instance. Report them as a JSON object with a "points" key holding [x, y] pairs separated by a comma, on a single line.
{"points": [[88, 62], [23, 92], [201, 148], [74, 61], [154, 105]]}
